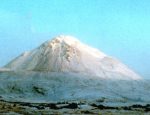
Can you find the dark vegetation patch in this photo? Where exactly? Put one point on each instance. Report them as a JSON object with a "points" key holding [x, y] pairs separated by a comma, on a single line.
{"points": [[52, 106], [87, 112], [39, 90], [71, 106], [136, 107]]}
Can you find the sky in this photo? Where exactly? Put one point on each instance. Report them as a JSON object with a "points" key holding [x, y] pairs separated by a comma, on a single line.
{"points": [[119, 28]]}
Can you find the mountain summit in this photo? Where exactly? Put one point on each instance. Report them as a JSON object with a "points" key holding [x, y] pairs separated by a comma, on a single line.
{"points": [[67, 54]]}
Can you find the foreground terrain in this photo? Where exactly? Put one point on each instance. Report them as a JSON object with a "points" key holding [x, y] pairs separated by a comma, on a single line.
{"points": [[19, 108], [55, 94]]}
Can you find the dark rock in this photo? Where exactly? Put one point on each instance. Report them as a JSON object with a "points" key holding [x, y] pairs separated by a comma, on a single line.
{"points": [[147, 109], [127, 108], [14, 105], [40, 107], [39, 90], [71, 106], [137, 106], [98, 106], [52, 106], [148, 105], [87, 112], [94, 105], [25, 104]]}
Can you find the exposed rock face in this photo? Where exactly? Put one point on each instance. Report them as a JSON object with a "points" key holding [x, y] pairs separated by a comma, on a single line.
{"points": [[67, 54]]}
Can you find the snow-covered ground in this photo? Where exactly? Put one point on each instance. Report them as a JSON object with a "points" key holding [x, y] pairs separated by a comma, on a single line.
{"points": [[52, 86]]}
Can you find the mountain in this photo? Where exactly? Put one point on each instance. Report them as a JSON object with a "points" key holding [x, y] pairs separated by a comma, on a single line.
{"points": [[65, 69], [67, 54]]}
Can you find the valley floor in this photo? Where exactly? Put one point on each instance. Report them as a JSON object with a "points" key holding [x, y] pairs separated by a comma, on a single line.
{"points": [[20, 108]]}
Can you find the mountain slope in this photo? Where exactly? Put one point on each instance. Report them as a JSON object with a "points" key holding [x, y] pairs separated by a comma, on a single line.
{"points": [[67, 54]]}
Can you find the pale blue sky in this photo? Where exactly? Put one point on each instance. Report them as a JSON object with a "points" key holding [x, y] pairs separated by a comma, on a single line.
{"points": [[120, 28]]}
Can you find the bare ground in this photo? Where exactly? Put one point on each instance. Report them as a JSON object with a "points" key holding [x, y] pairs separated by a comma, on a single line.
{"points": [[20, 108]]}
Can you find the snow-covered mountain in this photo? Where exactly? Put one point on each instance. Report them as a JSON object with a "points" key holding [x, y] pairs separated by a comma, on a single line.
{"points": [[67, 54], [66, 69]]}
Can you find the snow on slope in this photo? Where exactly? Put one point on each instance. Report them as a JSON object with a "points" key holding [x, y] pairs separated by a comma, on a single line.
{"points": [[4, 69], [52, 86], [67, 54], [66, 69]]}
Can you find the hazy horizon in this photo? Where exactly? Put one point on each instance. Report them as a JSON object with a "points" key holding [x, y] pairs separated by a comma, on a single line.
{"points": [[118, 28]]}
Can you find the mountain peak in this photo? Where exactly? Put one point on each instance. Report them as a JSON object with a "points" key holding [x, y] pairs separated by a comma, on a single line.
{"points": [[65, 39], [61, 41]]}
